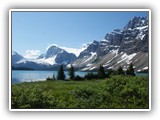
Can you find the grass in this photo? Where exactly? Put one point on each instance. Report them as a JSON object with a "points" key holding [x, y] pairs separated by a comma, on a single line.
{"points": [[111, 93]]}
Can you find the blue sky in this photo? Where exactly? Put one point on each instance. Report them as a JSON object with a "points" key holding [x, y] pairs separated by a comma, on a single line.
{"points": [[37, 30]]}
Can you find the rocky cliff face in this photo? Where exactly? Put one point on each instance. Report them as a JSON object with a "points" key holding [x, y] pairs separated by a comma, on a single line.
{"points": [[119, 47], [133, 38]]}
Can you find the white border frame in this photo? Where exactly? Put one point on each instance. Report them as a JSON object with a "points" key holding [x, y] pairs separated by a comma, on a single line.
{"points": [[76, 10]]}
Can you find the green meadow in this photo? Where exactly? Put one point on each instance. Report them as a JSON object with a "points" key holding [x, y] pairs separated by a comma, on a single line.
{"points": [[116, 92]]}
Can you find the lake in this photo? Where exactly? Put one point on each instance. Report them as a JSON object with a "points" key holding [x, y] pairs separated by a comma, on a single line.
{"points": [[29, 76]]}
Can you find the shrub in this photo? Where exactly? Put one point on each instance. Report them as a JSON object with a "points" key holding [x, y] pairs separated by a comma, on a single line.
{"points": [[115, 92], [78, 77]]}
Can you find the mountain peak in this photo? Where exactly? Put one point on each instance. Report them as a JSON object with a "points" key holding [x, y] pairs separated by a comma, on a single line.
{"points": [[53, 50], [52, 45], [136, 22], [16, 57]]}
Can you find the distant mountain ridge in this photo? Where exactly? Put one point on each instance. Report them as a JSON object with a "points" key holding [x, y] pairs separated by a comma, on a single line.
{"points": [[53, 57], [118, 48]]}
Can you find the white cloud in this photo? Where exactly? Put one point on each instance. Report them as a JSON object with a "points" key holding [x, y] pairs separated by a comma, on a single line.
{"points": [[32, 54]]}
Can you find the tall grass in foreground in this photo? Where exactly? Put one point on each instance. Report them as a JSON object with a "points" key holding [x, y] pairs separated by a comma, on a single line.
{"points": [[115, 92]]}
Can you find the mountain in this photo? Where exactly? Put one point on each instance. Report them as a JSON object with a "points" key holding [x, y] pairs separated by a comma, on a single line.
{"points": [[16, 57], [53, 57], [59, 55], [18, 61], [118, 48]]}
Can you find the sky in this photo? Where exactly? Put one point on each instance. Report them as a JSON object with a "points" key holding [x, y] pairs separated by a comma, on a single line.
{"points": [[33, 32]]}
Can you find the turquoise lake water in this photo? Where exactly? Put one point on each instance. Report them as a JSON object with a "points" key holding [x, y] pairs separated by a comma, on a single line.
{"points": [[29, 76]]}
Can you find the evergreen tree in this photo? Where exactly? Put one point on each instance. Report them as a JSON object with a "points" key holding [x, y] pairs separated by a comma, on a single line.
{"points": [[61, 75], [90, 76], [130, 70], [110, 72], [71, 72], [120, 71], [101, 72], [54, 77]]}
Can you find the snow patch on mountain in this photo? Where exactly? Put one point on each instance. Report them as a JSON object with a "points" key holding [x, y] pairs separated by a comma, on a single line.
{"points": [[145, 68], [73, 50], [140, 36], [70, 50], [104, 40], [91, 57], [142, 27], [48, 61], [113, 52], [22, 61], [110, 67], [127, 58], [128, 41]]}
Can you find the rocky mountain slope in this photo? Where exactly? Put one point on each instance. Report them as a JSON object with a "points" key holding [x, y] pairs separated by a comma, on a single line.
{"points": [[119, 48]]}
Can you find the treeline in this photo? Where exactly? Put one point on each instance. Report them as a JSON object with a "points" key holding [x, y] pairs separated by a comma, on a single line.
{"points": [[100, 74], [21, 68]]}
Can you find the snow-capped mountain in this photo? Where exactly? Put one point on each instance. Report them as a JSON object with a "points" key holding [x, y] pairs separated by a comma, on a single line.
{"points": [[59, 55], [118, 48], [53, 57]]}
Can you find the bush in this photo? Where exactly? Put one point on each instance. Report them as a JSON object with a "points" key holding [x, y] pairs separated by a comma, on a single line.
{"points": [[48, 79], [78, 77]]}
